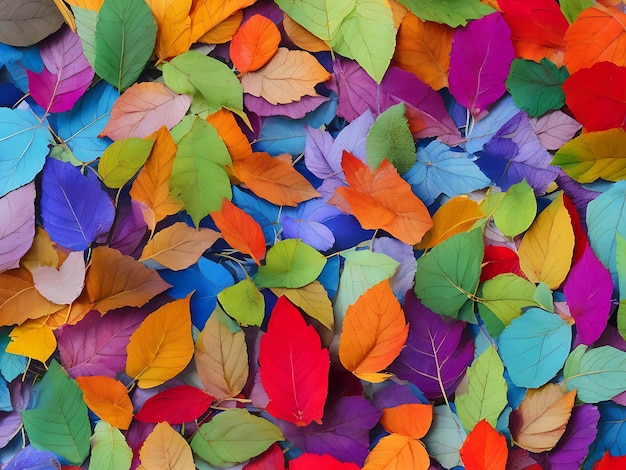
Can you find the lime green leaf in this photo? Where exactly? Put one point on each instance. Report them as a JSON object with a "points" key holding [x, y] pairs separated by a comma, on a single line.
{"points": [[243, 302], [109, 449], [486, 393], [451, 12], [543, 297], [517, 209], [198, 176], [391, 138], [598, 374], [290, 263], [447, 276], [122, 159], [60, 422], [320, 17], [594, 155], [234, 436], [124, 41], [572, 8]]}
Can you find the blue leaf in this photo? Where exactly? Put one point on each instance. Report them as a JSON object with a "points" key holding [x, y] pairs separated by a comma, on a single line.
{"points": [[611, 433], [486, 128], [74, 208], [34, 459], [534, 347], [11, 365], [265, 213], [306, 221], [5, 397], [329, 277], [23, 147]]}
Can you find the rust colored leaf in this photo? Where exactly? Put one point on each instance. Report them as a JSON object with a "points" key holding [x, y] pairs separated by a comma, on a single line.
{"points": [[107, 398], [254, 44]]}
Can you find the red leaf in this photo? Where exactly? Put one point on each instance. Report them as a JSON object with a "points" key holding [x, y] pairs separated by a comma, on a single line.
{"points": [[610, 462], [499, 260], [580, 237], [485, 448], [315, 462], [271, 459], [167, 405], [294, 367]]}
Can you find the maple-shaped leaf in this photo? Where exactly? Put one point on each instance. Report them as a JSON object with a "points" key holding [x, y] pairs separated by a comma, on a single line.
{"points": [[314, 461], [254, 44], [381, 199], [410, 419], [107, 398], [165, 405], [485, 448], [165, 448], [293, 366], [174, 27], [373, 334], [396, 451]]}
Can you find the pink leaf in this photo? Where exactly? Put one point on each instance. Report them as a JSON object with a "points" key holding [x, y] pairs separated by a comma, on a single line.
{"points": [[555, 129], [64, 285], [17, 225]]}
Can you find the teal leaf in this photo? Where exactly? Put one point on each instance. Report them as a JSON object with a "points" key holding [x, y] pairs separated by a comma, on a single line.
{"points": [[445, 437]]}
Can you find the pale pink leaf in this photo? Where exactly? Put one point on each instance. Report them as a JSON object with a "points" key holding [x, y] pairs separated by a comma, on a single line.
{"points": [[555, 129], [64, 285], [17, 225]]}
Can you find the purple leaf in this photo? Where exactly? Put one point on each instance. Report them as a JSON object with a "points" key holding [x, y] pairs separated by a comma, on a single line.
{"points": [[480, 61], [33, 459], [402, 279], [437, 352], [294, 110], [74, 208], [396, 394], [11, 423], [588, 291], [344, 433], [130, 228], [555, 129], [306, 221], [356, 89], [17, 225], [66, 74], [579, 195]]}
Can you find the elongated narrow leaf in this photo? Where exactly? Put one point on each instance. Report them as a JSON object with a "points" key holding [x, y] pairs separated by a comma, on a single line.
{"points": [[109, 448], [165, 448]]}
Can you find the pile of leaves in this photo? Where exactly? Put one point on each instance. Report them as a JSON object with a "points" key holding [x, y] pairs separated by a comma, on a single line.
{"points": [[312, 234]]}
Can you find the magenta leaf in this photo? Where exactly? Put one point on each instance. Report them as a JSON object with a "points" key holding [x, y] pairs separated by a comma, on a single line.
{"points": [[17, 225], [294, 110], [480, 61], [356, 89]]}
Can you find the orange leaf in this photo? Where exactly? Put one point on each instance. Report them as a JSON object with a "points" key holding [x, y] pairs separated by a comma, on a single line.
{"points": [[396, 452], [485, 448], [286, 78], [107, 398], [151, 187], [374, 331], [423, 48], [207, 14], [240, 230], [302, 38], [174, 27], [254, 44], [273, 179], [229, 131], [19, 300], [115, 280], [93, 5], [163, 449], [410, 420], [224, 31], [539, 422], [597, 35], [382, 199], [178, 246]]}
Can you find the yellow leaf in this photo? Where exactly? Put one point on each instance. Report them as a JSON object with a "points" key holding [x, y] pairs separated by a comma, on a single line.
{"points": [[174, 27], [374, 331], [162, 346], [313, 299], [32, 339], [410, 420], [396, 452], [41, 252], [302, 38], [207, 14], [165, 449], [93, 5], [107, 398], [286, 78], [67, 14], [19, 300], [224, 31], [545, 254], [221, 359], [178, 246]]}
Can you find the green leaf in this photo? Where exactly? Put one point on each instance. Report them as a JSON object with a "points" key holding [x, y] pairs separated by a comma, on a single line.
{"points": [[60, 423], [198, 176], [447, 276], [86, 21], [290, 263], [391, 138], [124, 41], [109, 449], [451, 12], [445, 437], [234, 436], [320, 17], [536, 87], [486, 393], [517, 209], [122, 159], [598, 374], [572, 8], [367, 35], [502, 299], [543, 297], [243, 302], [620, 258]]}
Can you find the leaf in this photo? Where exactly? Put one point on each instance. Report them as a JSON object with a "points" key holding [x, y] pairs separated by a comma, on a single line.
{"points": [[448, 274], [597, 374], [107, 398], [26, 23], [293, 367], [314, 461], [164, 448], [115, 281], [397, 451], [536, 87], [205, 15], [301, 36], [221, 357], [271, 459], [486, 392], [410, 420], [174, 27], [254, 44], [453, 13], [234, 436], [59, 423], [373, 334], [163, 405], [17, 222], [437, 351], [243, 302], [178, 246], [545, 253], [109, 448], [230, 132], [539, 422], [321, 18], [555, 129], [445, 438], [485, 448], [499, 260], [143, 108], [391, 138], [517, 210], [124, 39], [290, 263], [23, 148], [33, 340], [313, 299], [600, 83], [122, 159], [64, 285], [162, 346]]}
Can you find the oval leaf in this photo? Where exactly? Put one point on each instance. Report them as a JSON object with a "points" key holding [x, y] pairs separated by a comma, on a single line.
{"points": [[254, 44], [165, 405], [395, 451], [107, 398], [164, 448]]}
